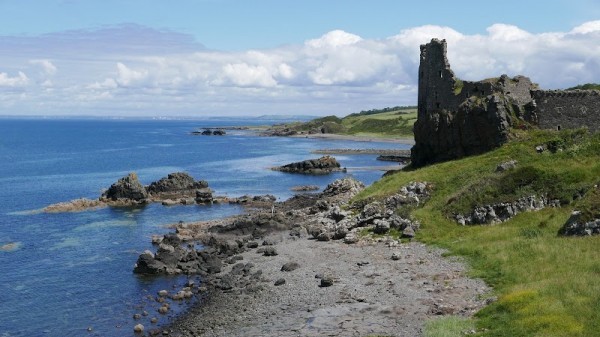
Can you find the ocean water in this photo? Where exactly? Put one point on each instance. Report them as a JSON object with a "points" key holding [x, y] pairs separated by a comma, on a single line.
{"points": [[62, 274]]}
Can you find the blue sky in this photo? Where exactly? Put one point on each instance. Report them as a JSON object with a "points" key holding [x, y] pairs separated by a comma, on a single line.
{"points": [[206, 57]]}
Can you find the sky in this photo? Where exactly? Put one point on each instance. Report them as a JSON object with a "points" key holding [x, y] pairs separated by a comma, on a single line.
{"points": [[270, 57]]}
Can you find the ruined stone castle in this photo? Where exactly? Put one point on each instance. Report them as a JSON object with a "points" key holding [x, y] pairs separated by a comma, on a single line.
{"points": [[461, 118]]}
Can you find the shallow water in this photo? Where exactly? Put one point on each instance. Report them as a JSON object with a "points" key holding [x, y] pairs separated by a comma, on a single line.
{"points": [[63, 273]]}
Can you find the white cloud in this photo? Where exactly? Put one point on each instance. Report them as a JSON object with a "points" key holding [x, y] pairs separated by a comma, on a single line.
{"points": [[586, 28], [128, 76], [20, 80], [333, 39], [245, 75], [47, 66], [338, 72]]}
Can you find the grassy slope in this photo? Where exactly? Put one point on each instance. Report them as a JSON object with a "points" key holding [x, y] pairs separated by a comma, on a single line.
{"points": [[397, 123], [546, 285], [389, 124]]}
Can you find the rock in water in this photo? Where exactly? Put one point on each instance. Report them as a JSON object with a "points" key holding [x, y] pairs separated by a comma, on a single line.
{"points": [[178, 183], [323, 165], [138, 328], [127, 188]]}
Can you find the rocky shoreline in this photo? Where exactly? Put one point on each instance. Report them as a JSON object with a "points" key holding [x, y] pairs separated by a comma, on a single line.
{"points": [[178, 188], [304, 267]]}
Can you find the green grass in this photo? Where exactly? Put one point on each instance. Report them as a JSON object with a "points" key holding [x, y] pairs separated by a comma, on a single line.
{"points": [[385, 124], [547, 285], [450, 326], [587, 86], [397, 123]]}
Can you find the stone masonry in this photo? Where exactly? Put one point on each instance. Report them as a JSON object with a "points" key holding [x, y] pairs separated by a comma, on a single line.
{"points": [[462, 118]]}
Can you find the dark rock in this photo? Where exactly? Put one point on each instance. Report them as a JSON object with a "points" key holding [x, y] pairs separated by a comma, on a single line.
{"points": [[127, 188], [252, 244], [269, 251], [218, 132], [327, 281], [147, 264], [290, 266], [178, 183], [264, 198], [395, 158], [279, 282], [323, 165], [204, 196]]}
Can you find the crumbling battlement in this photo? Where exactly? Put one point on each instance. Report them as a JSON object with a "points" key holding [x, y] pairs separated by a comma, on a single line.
{"points": [[461, 118]]}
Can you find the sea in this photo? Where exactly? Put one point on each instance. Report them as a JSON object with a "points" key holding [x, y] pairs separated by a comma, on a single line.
{"points": [[70, 274]]}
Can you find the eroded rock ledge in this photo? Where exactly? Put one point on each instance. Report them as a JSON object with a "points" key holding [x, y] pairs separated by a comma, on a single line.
{"points": [[501, 212]]}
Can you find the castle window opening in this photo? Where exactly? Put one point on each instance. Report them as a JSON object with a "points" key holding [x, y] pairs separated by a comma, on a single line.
{"points": [[437, 105], [558, 128], [441, 74]]}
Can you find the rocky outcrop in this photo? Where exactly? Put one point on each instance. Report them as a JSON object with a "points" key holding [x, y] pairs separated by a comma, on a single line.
{"points": [[76, 205], [323, 165], [575, 226], [328, 222], [177, 188], [127, 189], [209, 132], [497, 213], [462, 118], [176, 185]]}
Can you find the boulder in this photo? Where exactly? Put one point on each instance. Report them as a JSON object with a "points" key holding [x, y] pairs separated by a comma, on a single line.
{"points": [[508, 165], [147, 264], [127, 188], [178, 183], [290, 266], [139, 328], [327, 281], [343, 186]]}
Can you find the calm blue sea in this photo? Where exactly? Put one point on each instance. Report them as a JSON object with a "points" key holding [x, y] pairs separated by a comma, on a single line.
{"points": [[64, 273]]}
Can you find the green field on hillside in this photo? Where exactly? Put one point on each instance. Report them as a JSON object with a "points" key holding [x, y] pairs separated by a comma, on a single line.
{"points": [[389, 123], [546, 284]]}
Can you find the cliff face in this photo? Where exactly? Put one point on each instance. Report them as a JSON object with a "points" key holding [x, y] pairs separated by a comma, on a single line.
{"points": [[461, 118]]}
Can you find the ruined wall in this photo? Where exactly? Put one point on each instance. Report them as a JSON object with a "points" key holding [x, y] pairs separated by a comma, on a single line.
{"points": [[460, 118], [568, 109]]}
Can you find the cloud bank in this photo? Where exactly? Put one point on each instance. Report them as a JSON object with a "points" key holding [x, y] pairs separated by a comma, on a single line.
{"points": [[134, 70]]}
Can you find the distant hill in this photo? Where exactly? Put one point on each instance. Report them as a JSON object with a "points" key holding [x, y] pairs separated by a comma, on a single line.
{"points": [[587, 86], [396, 122]]}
